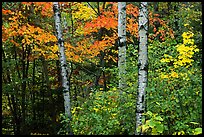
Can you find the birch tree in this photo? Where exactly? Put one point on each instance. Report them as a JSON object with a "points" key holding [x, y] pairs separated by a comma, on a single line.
{"points": [[143, 64], [122, 44], [63, 63]]}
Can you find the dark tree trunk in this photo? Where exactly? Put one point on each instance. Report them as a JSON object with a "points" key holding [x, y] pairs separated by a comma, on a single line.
{"points": [[12, 101]]}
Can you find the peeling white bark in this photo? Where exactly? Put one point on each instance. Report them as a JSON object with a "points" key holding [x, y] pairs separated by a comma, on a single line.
{"points": [[63, 63], [143, 64], [122, 44]]}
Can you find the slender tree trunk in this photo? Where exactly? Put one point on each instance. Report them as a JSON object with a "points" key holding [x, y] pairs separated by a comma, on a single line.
{"points": [[16, 61], [17, 105], [122, 44], [64, 71], [33, 93], [69, 64], [104, 82], [98, 6], [102, 55], [142, 64], [42, 99], [23, 90], [25, 60], [59, 78], [12, 102], [102, 65]]}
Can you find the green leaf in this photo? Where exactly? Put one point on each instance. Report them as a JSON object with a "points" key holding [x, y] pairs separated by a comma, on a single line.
{"points": [[148, 89], [157, 103], [198, 131], [158, 118], [149, 113], [154, 131], [195, 123], [144, 128], [138, 129], [152, 124], [160, 128]]}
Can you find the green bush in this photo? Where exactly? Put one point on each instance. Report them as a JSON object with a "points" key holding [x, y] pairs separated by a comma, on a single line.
{"points": [[174, 93], [103, 114]]}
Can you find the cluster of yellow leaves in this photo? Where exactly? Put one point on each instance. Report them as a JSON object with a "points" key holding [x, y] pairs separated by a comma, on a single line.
{"points": [[172, 74], [167, 58], [185, 51], [82, 12], [75, 109]]}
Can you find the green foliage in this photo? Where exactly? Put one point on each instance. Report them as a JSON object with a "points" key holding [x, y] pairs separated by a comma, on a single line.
{"points": [[153, 125], [174, 97], [174, 93], [104, 114], [197, 131], [181, 13], [132, 69]]}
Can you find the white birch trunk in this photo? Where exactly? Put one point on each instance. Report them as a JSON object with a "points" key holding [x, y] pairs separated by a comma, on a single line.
{"points": [[63, 63], [122, 44], [143, 64]]}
